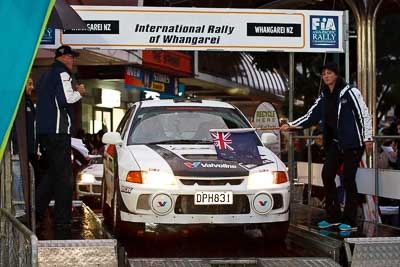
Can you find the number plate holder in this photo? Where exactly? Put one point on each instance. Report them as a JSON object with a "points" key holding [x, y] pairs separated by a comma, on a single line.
{"points": [[213, 198]]}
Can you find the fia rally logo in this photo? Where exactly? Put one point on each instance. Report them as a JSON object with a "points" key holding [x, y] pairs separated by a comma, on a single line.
{"points": [[324, 32]]}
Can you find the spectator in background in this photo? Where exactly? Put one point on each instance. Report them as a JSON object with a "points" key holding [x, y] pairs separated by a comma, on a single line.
{"points": [[317, 156], [30, 114], [80, 134], [98, 143], [388, 159], [89, 142], [317, 148], [26, 106], [299, 149], [388, 150], [17, 184]]}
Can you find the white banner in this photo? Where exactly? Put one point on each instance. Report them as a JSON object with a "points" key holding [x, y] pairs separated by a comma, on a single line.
{"points": [[266, 117], [208, 29]]}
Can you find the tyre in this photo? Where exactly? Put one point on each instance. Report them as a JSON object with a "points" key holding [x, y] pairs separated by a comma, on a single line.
{"points": [[276, 231], [116, 225], [116, 211], [106, 209], [121, 228]]}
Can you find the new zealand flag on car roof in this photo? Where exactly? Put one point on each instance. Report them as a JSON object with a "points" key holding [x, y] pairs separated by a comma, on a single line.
{"points": [[236, 145]]}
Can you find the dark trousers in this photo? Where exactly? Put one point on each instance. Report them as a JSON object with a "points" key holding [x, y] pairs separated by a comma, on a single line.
{"points": [[57, 179], [351, 160]]}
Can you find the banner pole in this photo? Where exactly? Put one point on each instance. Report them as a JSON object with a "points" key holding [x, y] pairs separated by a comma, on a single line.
{"points": [[291, 146]]}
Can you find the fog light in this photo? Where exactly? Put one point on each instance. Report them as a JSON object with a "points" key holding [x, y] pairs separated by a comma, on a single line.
{"points": [[161, 203], [263, 203]]}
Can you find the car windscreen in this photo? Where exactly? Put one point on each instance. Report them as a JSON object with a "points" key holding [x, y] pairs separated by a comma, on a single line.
{"points": [[96, 160], [182, 125]]}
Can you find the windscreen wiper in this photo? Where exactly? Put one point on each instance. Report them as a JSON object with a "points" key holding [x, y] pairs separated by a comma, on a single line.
{"points": [[180, 141], [202, 142]]}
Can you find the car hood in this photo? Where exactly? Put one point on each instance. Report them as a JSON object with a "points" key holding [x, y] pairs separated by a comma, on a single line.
{"points": [[195, 160], [94, 169]]}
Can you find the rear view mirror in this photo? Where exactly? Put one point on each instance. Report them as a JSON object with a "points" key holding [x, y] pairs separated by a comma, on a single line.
{"points": [[112, 138], [269, 139]]}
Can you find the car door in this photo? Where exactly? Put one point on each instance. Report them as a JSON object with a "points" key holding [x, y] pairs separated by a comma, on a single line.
{"points": [[110, 156]]}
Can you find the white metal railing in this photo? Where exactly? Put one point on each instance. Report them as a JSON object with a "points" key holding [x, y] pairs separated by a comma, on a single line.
{"points": [[370, 181], [18, 245]]}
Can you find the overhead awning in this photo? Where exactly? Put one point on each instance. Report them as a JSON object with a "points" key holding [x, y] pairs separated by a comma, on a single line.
{"points": [[93, 57], [236, 70], [248, 75]]}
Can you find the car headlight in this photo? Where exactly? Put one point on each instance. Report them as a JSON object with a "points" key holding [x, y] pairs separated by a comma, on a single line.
{"points": [[266, 178], [154, 178], [87, 178], [158, 178]]}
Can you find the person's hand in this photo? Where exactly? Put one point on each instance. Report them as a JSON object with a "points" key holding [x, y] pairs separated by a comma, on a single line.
{"points": [[393, 154], [81, 89], [285, 127], [368, 147]]}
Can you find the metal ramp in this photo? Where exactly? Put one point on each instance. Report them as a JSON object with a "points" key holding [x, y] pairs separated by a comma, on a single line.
{"points": [[377, 251], [101, 252], [259, 262], [327, 246], [371, 245], [20, 247]]}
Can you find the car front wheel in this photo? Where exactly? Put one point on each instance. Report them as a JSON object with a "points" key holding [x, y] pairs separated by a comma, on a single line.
{"points": [[116, 222], [119, 226], [106, 209]]}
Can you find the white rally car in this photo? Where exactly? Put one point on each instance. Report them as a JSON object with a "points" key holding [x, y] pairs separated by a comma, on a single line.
{"points": [[88, 182], [161, 167]]}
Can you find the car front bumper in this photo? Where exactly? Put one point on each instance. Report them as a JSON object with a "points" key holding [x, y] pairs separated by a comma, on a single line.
{"points": [[141, 205], [88, 189], [205, 219]]}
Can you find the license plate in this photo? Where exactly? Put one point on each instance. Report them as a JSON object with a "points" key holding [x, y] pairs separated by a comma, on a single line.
{"points": [[213, 198]]}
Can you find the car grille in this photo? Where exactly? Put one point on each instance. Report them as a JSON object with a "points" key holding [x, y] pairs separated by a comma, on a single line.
{"points": [[98, 178], [96, 189], [84, 188], [200, 156], [278, 201], [185, 205], [143, 202], [211, 182]]}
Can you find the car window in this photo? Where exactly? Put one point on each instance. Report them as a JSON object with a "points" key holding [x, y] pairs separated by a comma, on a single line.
{"points": [[97, 160], [182, 124], [123, 121], [121, 127], [125, 128]]}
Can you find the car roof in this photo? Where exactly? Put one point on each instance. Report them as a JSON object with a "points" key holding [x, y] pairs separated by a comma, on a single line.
{"points": [[195, 103]]}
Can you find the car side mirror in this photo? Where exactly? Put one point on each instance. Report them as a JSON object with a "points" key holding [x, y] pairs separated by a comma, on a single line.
{"points": [[112, 138], [269, 139]]}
